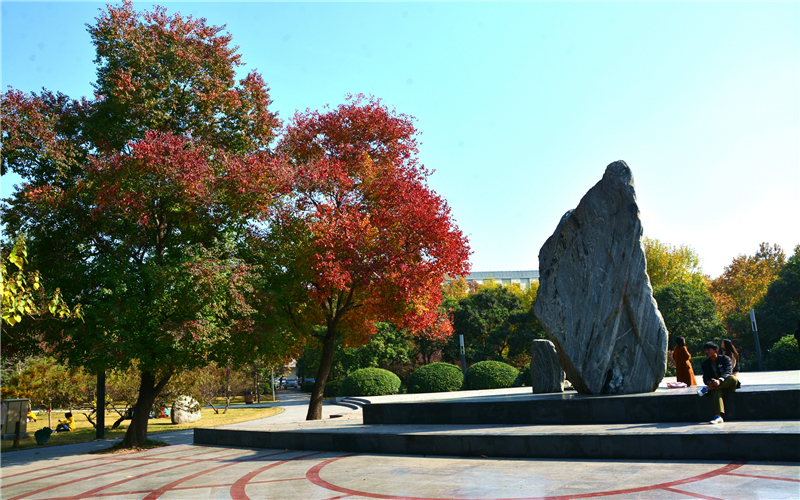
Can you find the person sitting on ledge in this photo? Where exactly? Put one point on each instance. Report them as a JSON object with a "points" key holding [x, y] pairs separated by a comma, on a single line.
{"points": [[718, 377]]}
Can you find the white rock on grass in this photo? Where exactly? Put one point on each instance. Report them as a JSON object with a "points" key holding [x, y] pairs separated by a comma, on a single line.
{"points": [[185, 410]]}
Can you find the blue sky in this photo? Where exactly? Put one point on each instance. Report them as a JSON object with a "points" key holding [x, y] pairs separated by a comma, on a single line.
{"points": [[522, 105]]}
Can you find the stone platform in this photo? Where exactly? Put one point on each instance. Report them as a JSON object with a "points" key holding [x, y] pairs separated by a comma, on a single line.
{"points": [[775, 440], [762, 423], [749, 403]]}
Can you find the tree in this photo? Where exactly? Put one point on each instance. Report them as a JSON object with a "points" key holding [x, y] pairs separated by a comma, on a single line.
{"points": [[667, 264], [23, 295], [689, 312], [778, 312], [496, 325], [360, 238], [741, 286], [135, 199], [47, 383]]}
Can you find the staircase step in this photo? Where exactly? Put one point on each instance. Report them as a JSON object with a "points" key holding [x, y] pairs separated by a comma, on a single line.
{"points": [[754, 440], [750, 403]]}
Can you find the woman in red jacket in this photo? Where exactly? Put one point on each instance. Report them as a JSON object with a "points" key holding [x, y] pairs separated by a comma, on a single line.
{"points": [[683, 367]]}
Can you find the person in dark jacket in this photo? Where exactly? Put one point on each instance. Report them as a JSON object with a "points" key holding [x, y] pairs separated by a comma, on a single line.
{"points": [[718, 377]]}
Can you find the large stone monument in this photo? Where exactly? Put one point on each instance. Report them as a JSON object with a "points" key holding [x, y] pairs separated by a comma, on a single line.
{"points": [[546, 372], [595, 300]]}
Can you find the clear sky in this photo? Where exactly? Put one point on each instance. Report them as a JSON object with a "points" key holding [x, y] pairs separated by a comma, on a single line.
{"points": [[522, 105]]}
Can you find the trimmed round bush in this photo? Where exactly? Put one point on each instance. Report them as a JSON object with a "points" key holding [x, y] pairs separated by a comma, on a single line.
{"points": [[371, 382], [333, 389], [784, 354], [307, 386], [491, 375], [524, 378], [436, 377]]}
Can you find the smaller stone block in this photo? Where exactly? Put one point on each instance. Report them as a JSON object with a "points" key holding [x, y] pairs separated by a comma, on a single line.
{"points": [[546, 372], [185, 410]]}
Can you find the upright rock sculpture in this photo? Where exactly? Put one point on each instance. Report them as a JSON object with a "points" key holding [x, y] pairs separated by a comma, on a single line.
{"points": [[546, 372], [595, 300]]}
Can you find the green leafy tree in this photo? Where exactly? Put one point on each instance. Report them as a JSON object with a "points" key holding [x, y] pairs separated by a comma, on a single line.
{"points": [[689, 312], [389, 347], [49, 384], [784, 355], [23, 295], [667, 264], [135, 200], [778, 312], [495, 325], [741, 287]]}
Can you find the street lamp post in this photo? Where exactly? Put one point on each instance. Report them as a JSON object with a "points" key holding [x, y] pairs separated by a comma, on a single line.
{"points": [[755, 336], [463, 357]]}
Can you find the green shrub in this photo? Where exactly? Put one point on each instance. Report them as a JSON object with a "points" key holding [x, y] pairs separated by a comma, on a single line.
{"points": [[371, 382], [436, 377], [307, 386], [333, 389], [697, 368], [784, 354], [524, 378], [491, 375]]}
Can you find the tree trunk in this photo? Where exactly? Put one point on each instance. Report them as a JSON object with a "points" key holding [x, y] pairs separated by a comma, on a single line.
{"points": [[315, 405], [149, 389], [50, 414], [227, 388]]}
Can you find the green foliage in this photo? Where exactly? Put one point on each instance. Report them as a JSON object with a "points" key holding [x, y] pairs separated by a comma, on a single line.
{"points": [[133, 198], [333, 389], [388, 347], [741, 287], [524, 378], [689, 312], [670, 264], [491, 375], [784, 355], [371, 382], [778, 313], [23, 295], [306, 386], [49, 384], [495, 324], [436, 377], [697, 368]]}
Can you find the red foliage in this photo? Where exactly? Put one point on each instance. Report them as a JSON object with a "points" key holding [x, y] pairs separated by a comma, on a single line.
{"points": [[380, 240]]}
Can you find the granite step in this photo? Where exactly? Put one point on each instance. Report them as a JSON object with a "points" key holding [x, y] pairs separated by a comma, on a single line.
{"points": [[749, 403], [772, 440]]}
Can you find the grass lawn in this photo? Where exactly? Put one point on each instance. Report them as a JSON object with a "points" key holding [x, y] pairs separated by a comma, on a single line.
{"points": [[85, 432]]}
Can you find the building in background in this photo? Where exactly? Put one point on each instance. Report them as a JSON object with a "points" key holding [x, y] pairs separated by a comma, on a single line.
{"points": [[523, 278]]}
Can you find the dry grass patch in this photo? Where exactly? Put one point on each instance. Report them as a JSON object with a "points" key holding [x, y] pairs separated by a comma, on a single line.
{"points": [[85, 432]]}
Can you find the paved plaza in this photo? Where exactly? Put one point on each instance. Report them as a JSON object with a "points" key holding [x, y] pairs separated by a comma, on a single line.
{"points": [[189, 471], [195, 472]]}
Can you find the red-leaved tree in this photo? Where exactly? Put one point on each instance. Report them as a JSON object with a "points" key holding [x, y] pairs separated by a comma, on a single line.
{"points": [[361, 237]]}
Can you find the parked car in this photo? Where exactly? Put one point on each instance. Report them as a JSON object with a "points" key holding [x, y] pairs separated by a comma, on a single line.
{"points": [[291, 382]]}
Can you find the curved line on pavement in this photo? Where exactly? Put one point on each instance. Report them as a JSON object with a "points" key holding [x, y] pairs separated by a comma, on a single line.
{"points": [[313, 476], [160, 491], [237, 489]]}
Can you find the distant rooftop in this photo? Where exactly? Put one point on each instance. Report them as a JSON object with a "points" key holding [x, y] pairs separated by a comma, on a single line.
{"points": [[501, 275]]}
